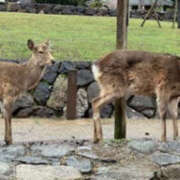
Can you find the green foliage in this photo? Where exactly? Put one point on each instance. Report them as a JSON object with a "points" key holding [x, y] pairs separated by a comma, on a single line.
{"points": [[63, 2]]}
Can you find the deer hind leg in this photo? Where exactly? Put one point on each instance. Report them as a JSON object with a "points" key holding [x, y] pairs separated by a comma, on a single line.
{"points": [[173, 110], [162, 106], [7, 113], [97, 103]]}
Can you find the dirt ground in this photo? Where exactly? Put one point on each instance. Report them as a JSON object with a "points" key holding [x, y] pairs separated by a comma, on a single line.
{"points": [[36, 129]]}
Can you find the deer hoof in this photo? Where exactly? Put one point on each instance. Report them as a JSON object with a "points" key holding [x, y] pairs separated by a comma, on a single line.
{"points": [[97, 140]]}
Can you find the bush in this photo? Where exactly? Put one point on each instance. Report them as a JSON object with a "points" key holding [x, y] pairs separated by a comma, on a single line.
{"points": [[64, 2]]}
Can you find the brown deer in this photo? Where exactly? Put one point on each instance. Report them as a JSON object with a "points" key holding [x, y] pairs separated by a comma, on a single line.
{"points": [[125, 72], [18, 78]]}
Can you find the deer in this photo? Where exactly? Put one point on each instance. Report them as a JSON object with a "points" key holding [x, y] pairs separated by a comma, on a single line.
{"points": [[17, 78], [131, 72]]}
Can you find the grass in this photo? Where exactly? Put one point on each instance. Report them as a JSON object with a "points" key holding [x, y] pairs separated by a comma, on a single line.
{"points": [[80, 37]]}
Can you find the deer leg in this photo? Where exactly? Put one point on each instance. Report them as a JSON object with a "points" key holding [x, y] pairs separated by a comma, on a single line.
{"points": [[7, 104], [173, 110], [162, 105], [97, 103]]}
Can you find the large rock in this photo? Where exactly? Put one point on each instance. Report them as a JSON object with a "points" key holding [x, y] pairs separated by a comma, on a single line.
{"points": [[164, 159], [51, 73], [43, 111], [143, 104], [107, 111], [143, 146], [53, 150], [66, 66], [93, 91], [82, 164], [42, 92], [43, 172], [82, 65], [171, 172], [84, 77], [81, 103], [24, 101], [58, 98]]}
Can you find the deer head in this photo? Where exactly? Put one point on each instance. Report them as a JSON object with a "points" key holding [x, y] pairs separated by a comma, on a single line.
{"points": [[41, 54]]}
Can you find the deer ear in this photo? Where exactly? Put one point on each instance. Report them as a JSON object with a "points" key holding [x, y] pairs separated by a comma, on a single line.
{"points": [[30, 44], [47, 43]]}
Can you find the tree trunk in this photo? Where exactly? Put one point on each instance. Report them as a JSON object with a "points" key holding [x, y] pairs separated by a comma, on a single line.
{"points": [[175, 13], [178, 13], [121, 43]]}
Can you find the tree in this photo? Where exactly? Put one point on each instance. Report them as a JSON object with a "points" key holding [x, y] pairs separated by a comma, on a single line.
{"points": [[121, 43]]}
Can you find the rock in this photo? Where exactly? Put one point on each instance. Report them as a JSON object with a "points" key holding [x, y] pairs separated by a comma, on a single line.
{"points": [[112, 12], [24, 113], [107, 111], [170, 146], [57, 8], [93, 91], [43, 111], [45, 172], [124, 173], [140, 102], [53, 150], [90, 11], [80, 9], [103, 11], [2, 7], [41, 93], [81, 103], [24, 101], [68, 10], [133, 114], [8, 154], [66, 66], [84, 77], [51, 73], [82, 164], [32, 160], [58, 98], [171, 172], [164, 159], [143, 146], [82, 65], [149, 113], [5, 168]]}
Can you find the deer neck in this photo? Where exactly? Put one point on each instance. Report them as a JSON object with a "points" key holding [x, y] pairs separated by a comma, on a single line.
{"points": [[34, 73]]}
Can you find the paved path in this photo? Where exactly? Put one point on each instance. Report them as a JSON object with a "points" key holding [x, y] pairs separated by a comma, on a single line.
{"points": [[34, 129]]}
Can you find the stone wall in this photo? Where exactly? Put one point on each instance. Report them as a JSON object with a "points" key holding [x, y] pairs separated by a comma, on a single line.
{"points": [[49, 98], [73, 10]]}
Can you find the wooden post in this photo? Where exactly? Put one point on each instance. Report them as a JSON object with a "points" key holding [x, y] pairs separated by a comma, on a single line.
{"points": [[121, 43], [178, 13], [175, 13], [71, 95]]}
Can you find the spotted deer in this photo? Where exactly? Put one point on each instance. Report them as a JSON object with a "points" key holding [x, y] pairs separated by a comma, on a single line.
{"points": [[125, 72], [18, 78]]}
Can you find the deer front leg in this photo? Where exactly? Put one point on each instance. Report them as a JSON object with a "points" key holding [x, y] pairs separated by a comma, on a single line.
{"points": [[162, 105], [7, 104], [173, 110], [97, 103]]}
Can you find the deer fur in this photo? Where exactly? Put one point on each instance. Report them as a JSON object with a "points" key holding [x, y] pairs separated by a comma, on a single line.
{"points": [[125, 72], [17, 78]]}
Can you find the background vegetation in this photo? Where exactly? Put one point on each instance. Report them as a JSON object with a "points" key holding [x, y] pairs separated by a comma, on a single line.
{"points": [[80, 37]]}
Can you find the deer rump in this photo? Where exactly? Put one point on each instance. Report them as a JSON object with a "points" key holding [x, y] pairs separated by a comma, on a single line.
{"points": [[124, 72]]}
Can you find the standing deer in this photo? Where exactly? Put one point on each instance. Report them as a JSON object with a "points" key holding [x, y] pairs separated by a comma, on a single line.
{"points": [[18, 78], [124, 72]]}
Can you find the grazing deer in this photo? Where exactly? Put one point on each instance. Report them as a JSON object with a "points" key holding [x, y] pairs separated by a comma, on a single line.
{"points": [[18, 78], [124, 72]]}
